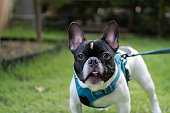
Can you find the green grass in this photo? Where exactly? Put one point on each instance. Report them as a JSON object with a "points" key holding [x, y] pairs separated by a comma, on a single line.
{"points": [[30, 33], [54, 71]]}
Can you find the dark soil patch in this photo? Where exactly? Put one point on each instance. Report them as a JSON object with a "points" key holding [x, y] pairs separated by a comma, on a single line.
{"points": [[11, 49]]}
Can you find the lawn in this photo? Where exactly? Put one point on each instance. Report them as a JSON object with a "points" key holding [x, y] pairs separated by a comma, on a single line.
{"points": [[53, 72], [21, 32]]}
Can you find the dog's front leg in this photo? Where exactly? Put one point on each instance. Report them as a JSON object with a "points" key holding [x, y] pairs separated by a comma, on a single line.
{"points": [[75, 106], [124, 108]]}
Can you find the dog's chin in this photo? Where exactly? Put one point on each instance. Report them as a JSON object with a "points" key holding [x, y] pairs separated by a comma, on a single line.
{"points": [[94, 80]]}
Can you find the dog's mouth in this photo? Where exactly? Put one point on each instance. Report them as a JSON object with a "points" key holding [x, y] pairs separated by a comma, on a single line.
{"points": [[94, 78]]}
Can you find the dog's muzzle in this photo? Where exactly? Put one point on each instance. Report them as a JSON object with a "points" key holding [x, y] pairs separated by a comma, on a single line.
{"points": [[92, 68]]}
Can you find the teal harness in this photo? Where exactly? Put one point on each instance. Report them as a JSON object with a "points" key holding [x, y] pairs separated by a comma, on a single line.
{"points": [[87, 97]]}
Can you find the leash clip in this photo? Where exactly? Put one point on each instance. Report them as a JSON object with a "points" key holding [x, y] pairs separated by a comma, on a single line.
{"points": [[124, 56]]}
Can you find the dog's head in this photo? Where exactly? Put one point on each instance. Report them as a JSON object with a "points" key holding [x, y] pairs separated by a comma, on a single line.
{"points": [[94, 60]]}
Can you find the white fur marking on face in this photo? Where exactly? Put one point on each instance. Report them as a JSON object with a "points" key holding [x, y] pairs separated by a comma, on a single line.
{"points": [[91, 45], [101, 68], [86, 69]]}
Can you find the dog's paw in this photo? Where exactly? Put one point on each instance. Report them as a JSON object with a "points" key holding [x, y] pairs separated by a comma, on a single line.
{"points": [[102, 109]]}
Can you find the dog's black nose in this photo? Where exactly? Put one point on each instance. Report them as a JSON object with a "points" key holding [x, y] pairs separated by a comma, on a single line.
{"points": [[93, 62]]}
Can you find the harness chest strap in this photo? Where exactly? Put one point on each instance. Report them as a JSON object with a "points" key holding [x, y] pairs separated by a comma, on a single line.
{"points": [[87, 97]]}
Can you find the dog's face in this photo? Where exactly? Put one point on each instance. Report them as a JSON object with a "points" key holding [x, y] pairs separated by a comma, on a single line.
{"points": [[94, 60]]}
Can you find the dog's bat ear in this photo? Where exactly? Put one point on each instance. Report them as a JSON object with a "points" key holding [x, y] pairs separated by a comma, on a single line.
{"points": [[75, 36], [111, 35]]}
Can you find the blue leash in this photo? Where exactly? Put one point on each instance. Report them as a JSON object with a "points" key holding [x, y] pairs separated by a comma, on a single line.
{"points": [[160, 51], [124, 58]]}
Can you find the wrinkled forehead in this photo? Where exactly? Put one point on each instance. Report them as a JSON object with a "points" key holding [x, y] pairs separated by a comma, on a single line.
{"points": [[93, 47]]}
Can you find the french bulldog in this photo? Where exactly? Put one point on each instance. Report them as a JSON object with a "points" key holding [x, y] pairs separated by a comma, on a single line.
{"points": [[95, 69]]}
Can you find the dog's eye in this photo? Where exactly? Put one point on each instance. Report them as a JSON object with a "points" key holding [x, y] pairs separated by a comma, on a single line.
{"points": [[80, 56], [106, 55]]}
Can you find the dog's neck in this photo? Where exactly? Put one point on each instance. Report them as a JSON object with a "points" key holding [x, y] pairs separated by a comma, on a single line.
{"points": [[103, 85]]}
